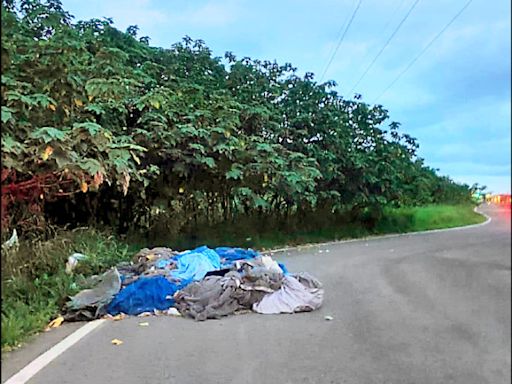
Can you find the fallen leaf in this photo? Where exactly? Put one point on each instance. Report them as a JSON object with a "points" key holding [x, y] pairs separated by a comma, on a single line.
{"points": [[90, 97], [79, 103], [181, 190], [52, 107], [84, 187], [54, 323], [117, 342]]}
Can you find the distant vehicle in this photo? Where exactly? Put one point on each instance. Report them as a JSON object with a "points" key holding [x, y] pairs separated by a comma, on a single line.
{"points": [[498, 199]]}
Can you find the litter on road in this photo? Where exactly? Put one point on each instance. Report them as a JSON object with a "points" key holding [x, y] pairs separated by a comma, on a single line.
{"points": [[201, 283]]}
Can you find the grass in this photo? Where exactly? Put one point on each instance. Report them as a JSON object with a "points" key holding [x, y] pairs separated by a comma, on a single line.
{"points": [[35, 285]]}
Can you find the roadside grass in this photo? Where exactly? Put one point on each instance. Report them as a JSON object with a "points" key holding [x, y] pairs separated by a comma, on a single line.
{"points": [[35, 285]]}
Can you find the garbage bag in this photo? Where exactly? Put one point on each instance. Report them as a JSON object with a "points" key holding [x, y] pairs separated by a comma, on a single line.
{"points": [[144, 295], [195, 264], [91, 303], [299, 293]]}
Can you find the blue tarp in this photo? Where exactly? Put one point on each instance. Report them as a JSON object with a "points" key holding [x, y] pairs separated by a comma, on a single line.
{"points": [[232, 254], [283, 268], [195, 264], [143, 295]]}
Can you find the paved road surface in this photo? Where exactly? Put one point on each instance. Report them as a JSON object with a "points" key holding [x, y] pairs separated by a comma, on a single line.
{"points": [[425, 308]]}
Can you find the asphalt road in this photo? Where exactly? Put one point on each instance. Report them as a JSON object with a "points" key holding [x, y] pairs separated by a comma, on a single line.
{"points": [[424, 308]]}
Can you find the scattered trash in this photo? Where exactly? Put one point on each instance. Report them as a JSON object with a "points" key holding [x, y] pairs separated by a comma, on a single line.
{"points": [[91, 304], [73, 262], [299, 293], [173, 312], [55, 323], [116, 342], [144, 295], [328, 318], [118, 317], [201, 283], [13, 241]]}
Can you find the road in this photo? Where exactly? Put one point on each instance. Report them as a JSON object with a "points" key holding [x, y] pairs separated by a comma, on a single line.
{"points": [[423, 308]]}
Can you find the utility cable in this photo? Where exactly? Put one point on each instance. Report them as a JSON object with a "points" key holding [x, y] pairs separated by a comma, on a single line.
{"points": [[341, 39], [423, 50], [385, 45]]}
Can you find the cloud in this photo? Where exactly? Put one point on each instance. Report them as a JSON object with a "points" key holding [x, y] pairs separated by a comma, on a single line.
{"points": [[214, 14], [134, 12]]}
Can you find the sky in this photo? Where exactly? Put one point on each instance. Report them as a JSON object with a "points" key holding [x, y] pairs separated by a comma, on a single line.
{"points": [[455, 99]]}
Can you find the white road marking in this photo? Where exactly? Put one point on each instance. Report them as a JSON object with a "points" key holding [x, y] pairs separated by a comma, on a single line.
{"points": [[43, 360]]}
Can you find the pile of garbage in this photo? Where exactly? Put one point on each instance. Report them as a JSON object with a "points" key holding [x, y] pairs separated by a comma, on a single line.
{"points": [[202, 284]]}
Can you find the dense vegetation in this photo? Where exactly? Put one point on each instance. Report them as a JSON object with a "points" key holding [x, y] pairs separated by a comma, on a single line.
{"points": [[100, 127]]}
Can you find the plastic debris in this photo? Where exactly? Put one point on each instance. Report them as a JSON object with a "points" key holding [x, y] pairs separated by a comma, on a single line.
{"points": [[55, 323], [116, 342], [328, 318], [173, 312], [118, 317], [144, 324], [144, 295], [73, 262], [91, 303], [13, 241]]}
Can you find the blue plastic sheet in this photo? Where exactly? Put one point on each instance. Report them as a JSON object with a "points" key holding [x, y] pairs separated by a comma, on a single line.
{"points": [[195, 264], [162, 263], [143, 295], [231, 254]]}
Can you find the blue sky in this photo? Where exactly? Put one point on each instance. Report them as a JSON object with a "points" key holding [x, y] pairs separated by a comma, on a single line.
{"points": [[456, 99]]}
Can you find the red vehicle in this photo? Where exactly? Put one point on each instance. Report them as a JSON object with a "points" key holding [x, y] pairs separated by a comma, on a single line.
{"points": [[499, 199]]}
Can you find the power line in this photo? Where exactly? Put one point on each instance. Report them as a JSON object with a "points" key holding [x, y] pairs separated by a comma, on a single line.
{"points": [[423, 50], [385, 29], [385, 45], [341, 39]]}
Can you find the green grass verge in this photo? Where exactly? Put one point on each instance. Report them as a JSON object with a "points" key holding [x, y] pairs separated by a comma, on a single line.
{"points": [[35, 285]]}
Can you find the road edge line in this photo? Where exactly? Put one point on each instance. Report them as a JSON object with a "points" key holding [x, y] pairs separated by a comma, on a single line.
{"points": [[377, 237], [27, 372]]}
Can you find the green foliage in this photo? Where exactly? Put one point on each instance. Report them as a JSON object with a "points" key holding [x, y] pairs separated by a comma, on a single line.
{"points": [[122, 127]]}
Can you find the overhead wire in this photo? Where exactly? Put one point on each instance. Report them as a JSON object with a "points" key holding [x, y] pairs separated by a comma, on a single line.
{"points": [[385, 45], [424, 50], [342, 37]]}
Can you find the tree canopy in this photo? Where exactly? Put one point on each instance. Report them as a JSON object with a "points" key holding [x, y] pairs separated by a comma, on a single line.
{"points": [[122, 132]]}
